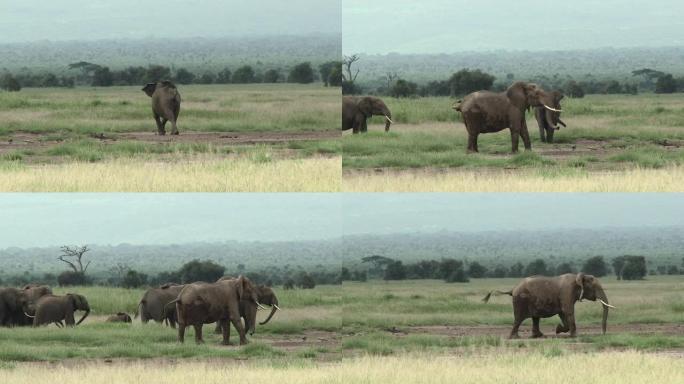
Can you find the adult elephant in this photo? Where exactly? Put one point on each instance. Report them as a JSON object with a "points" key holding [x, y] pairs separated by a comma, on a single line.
{"points": [[13, 303], [55, 309], [357, 110], [486, 112], [549, 119], [166, 101], [33, 293], [541, 297], [265, 296], [204, 303], [153, 304]]}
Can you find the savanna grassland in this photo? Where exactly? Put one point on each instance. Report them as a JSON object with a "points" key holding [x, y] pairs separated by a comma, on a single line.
{"points": [[611, 143], [278, 137], [410, 331]]}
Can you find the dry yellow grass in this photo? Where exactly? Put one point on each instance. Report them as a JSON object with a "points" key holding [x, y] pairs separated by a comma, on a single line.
{"points": [[612, 367], [669, 179], [201, 174]]}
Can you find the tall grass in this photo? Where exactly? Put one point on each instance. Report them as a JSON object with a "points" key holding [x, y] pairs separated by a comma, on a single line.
{"points": [[258, 172]]}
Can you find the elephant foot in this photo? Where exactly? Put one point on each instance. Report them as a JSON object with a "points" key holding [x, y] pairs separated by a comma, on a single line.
{"points": [[514, 336], [160, 133], [199, 342], [175, 133], [560, 329], [537, 335]]}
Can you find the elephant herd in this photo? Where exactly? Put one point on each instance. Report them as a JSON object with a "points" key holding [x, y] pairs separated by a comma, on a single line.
{"points": [[482, 112], [228, 300]]}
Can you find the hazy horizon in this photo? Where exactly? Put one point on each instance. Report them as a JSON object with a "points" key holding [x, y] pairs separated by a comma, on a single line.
{"points": [[446, 26], [87, 20]]}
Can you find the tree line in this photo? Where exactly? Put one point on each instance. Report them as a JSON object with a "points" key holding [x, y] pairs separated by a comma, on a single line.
{"points": [[91, 74], [627, 267]]}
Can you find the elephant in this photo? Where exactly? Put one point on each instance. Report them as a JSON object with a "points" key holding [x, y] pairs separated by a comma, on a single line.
{"points": [[541, 296], [357, 110], [166, 101], [13, 304], [265, 296], [120, 317], [33, 293], [153, 305], [204, 303], [486, 112], [548, 120], [55, 309]]}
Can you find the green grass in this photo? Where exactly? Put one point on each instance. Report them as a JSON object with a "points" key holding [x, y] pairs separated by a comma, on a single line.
{"points": [[638, 342], [622, 131]]}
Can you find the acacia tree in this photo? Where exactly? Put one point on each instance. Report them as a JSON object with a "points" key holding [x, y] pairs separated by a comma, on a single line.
{"points": [[349, 76], [73, 256]]}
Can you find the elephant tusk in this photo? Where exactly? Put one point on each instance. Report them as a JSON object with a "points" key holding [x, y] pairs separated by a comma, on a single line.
{"points": [[606, 304], [388, 119], [552, 109], [260, 306], [27, 315], [277, 307]]}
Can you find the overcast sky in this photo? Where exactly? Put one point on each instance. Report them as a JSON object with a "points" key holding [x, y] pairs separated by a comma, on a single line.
{"points": [[30, 20], [386, 213], [447, 26], [54, 219], [50, 219]]}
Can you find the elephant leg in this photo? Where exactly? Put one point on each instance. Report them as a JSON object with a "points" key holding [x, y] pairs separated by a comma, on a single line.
{"points": [[516, 325], [69, 319], [174, 127], [524, 133], [542, 133], [224, 326], [160, 126], [563, 327], [181, 333], [237, 323], [172, 322], [515, 135], [364, 126], [472, 143], [549, 135], [570, 321], [218, 330], [535, 328], [198, 333]]}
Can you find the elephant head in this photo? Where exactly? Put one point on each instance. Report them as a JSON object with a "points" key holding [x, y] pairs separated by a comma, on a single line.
{"points": [[249, 297], [525, 95], [553, 110], [268, 297], [590, 288], [79, 302], [371, 106], [149, 89]]}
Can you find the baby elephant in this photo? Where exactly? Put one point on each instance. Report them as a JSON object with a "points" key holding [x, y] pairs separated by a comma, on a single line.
{"points": [[541, 296], [120, 317], [165, 104], [55, 309]]}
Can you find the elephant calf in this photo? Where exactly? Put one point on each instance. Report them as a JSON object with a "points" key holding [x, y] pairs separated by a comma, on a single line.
{"points": [[166, 102], [55, 309], [541, 296], [357, 110], [549, 119], [120, 317]]}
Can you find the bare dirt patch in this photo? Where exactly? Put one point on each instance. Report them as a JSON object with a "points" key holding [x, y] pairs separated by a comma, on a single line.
{"points": [[549, 330]]}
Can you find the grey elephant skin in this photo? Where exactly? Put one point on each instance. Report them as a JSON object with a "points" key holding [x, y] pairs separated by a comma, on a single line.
{"points": [[487, 112], [55, 309], [549, 120], [248, 310], [120, 317], [356, 110], [541, 297], [154, 304], [16, 303], [205, 303], [166, 101]]}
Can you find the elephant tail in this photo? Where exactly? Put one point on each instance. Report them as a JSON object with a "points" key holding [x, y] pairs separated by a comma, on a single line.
{"points": [[457, 105], [164, 309], [138, 309], [486, 298]]}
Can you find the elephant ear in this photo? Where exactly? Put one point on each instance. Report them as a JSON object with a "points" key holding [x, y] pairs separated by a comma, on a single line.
{"points": [[149, 89], [240, 286], [517, 94], [557, 96], [581, 277], [366, 106]]}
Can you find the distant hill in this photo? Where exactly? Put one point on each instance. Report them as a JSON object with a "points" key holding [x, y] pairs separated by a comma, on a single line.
{"points": [[195, 54], [660, 245], [605, 63]]}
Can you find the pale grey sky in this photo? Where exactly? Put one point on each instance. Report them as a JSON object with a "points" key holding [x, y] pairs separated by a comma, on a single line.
{"points": [[448, 26], [30, 20], [29, 220]]}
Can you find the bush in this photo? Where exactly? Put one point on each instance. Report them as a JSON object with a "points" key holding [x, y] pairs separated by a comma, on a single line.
{"points": [[301, 73], [466, 81], [71, 278], [305, 281], [196, 270], [476, 270], [403, 88], [183, 76], [537, 267], [517, 270], [395, 271], [156, 73], [9, 83], [244, 75], [666, 84], [224, 77], [564, 268], [271, 76], [133, 279], [595, 266]]}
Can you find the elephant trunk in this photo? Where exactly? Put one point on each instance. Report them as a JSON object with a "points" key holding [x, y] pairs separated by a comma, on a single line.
{"points": [[604, 301], [87, 312], [388, 120], [274, 308]]}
